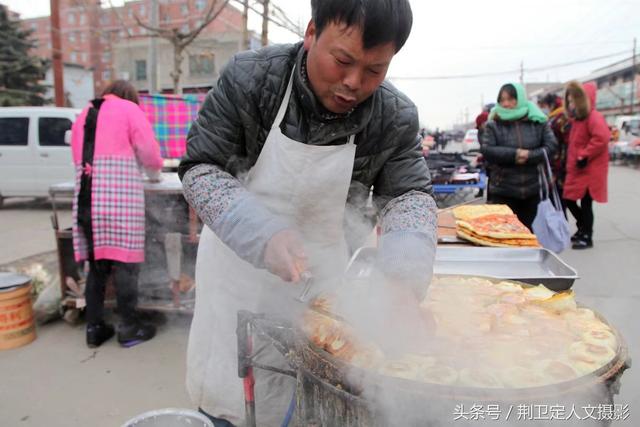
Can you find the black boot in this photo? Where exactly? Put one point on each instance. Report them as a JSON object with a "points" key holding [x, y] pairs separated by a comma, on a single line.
{"points": [[136, 332], [98, 333], [578, 234], [584, 242]]}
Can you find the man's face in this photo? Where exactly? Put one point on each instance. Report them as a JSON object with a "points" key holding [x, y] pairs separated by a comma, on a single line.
{"points": [[341, 72]]}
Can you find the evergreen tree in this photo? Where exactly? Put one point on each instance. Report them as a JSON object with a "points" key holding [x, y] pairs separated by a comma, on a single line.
{"points": [[20, 73]]}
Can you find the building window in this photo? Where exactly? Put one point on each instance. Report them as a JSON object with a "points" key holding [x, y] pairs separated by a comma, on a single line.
{"points": [[106, 56], [72, 37], [104, 38], [141, 69], [83, 19], [200, 5], [184, 10], [73, 57], [83, 37], [84, 56], [201, 65], [185, 28], [106, 75], [34, 26], [123, 34], [49, 45], [130, 13], [143, 10], [104, 19], [71, 18]]}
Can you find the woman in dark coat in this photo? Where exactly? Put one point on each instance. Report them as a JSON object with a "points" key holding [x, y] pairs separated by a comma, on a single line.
{"points": [[512, 145], [587, 159]]}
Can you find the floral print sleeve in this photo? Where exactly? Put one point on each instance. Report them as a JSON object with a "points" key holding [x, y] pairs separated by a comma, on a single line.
{"points": [[407, 246], [234, 214]]}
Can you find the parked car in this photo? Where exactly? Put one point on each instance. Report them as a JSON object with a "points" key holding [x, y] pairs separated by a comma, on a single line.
{"points": [[34, 150], [629, 127], [470, 141]]}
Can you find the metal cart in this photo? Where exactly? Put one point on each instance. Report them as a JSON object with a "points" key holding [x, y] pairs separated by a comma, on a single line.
{"points": [[172, 233]]}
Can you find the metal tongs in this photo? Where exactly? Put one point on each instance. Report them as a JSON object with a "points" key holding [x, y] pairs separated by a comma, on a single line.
{"points": [[307, 282]]}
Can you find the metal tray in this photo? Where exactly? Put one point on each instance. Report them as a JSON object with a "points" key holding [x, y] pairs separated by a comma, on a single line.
{"points": [[529, 265]]}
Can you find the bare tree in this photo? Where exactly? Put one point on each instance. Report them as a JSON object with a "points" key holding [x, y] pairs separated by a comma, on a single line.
{"points": [[179, 39]]}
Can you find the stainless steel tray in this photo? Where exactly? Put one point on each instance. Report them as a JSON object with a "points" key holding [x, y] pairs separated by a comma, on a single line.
{"points": [[529, 265]]}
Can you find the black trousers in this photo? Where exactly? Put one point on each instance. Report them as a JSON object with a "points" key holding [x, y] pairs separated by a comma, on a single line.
{"points": [[525, 209], [583, 214], [125, 277]]}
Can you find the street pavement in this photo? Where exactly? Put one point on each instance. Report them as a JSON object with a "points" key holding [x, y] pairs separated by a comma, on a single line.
{"points": [[58, 381]]}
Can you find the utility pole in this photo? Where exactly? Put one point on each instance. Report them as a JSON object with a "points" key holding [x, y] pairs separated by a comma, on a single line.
{"points": [[153, 50], [633, 75], [265, 22], [56, 46], [522, 72], [245, 25]]}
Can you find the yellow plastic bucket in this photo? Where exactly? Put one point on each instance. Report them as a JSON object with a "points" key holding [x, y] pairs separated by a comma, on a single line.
{"points": [[17, 327]]}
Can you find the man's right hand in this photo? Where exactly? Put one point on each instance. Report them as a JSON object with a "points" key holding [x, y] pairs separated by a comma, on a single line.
{"points": [[284, 255]]}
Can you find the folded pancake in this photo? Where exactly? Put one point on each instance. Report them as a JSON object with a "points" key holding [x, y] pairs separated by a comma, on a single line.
{"points": [[497, 243], [467, 212], [439, 374], [538, 293], [497, 226], [320, 329], [474, 377], [521, 377], [560, 302], [602, 337], [590, 355], [556, 371]]}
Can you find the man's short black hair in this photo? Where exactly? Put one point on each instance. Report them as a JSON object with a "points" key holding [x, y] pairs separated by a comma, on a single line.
{"points": [[381, 21]]}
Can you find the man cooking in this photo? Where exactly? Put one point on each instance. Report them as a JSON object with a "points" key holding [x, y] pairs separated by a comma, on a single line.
{"points": [[279, 166]]}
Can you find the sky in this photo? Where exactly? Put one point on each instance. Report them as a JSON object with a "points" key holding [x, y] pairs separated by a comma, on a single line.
{"points": [[456, 38]]}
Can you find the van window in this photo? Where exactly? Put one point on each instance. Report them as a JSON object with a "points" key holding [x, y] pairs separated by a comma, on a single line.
{"points": [[51, 131], [14, 130]]}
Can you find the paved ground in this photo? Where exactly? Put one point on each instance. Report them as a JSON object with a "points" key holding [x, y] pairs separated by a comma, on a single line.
{"points": [[25, 228], [57, 381]]}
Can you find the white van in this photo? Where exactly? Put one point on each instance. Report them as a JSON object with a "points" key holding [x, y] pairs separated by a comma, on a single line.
{"points": [[629, 127], [34, 150]]}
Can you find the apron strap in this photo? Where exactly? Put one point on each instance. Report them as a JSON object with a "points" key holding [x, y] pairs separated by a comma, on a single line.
{"points": [[86, 179], [285, 102]]}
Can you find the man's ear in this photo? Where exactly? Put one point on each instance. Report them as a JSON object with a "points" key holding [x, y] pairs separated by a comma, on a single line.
{"points": [[309, 35]]}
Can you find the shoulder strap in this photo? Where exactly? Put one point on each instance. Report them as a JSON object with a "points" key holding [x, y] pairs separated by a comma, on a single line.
{"points": [[90, 124]]}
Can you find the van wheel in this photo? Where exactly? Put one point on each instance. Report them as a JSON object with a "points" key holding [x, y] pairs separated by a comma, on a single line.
{"points": [[1, 201]]}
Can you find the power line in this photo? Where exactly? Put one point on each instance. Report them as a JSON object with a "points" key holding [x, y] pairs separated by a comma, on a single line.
{"points": [[521, 47], [501, 73]]}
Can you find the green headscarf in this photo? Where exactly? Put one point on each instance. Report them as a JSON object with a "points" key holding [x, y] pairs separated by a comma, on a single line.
{"points": [[524, 108]]}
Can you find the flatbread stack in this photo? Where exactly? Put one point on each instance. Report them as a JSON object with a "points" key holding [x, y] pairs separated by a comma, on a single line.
{"points": [[492, 225], [488, 334]]}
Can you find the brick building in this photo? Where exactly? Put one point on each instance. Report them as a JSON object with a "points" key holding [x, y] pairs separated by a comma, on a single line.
{"points": [[94, 37]]}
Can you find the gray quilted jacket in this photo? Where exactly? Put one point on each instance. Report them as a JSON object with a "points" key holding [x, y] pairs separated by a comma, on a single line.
{"points": [[226, 139], [500, 141]]}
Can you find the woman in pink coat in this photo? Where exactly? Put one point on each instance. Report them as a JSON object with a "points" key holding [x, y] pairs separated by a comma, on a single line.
{"points": [[587, 159], [111, 141]]}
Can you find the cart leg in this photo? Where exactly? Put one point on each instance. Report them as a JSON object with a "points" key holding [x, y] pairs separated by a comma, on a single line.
{"points": [[245, 370]]}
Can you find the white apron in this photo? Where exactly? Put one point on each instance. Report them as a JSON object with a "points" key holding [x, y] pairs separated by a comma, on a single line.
{"points": [[306, 185]]}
